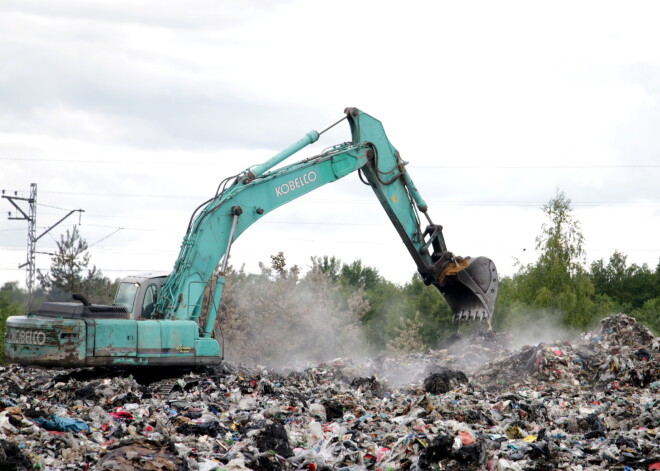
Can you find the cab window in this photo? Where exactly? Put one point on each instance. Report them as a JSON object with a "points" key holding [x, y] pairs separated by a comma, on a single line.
{"points": [[126, 295], [149, 301]]}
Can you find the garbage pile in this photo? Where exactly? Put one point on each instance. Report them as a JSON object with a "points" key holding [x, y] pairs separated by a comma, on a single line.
{"points": [[588, 404]]}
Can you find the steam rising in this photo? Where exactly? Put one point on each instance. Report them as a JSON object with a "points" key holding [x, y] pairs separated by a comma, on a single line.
{"points": [[539, 327], [285, 321]]}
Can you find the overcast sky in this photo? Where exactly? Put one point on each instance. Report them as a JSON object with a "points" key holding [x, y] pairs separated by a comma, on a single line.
{"points": [[135, 111]]}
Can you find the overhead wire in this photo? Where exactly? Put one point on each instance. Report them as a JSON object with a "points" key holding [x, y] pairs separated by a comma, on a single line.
{"points": [[472, 167]]}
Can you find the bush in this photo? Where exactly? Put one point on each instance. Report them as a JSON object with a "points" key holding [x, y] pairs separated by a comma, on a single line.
{"points": [[649, 315], [7, 308]]}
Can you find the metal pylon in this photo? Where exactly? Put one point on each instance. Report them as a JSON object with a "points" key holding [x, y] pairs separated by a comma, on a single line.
{"points": [[32, 238]]}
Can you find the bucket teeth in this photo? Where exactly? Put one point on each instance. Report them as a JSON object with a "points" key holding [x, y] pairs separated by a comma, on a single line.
{"points": [[472, 314]]}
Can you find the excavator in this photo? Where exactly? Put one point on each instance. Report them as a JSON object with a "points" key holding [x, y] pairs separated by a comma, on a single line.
{"points": [[168, 319]]}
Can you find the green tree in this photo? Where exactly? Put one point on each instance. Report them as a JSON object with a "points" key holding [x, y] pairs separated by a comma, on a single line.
{"points": [[557, 282], [632, 289], [630, 286], [434, 312], [68, 263], [408, 338], [649, 315], [357, 275], [99, 289], [69, 272], [329, 266], [391, 307], [386, 306], [13, 292], [8, 308]]}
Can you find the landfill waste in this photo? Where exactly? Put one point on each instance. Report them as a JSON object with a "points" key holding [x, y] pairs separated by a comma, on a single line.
{"points": [[62, 424], [592, 403], [148, 455], [11, 457], [444, 381]]}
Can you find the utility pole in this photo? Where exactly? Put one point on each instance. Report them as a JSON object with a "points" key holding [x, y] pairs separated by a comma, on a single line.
{"points": [[32, 238]]}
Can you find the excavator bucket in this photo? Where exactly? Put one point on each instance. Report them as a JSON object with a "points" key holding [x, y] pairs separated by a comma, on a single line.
{"points": [[470, 287]]}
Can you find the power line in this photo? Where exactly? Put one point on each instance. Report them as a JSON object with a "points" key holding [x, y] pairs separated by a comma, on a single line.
{"points": [[98, 216], [528, 167], [135, 228], [447, 167], [126, 228], [374, 201], [124, 195], [52, 207], [113, 162], [104, 238]]}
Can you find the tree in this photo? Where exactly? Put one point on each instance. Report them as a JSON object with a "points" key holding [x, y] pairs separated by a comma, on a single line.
{"points": [[278, 316], [649, 315], [630, 286], [7, 308], [557, 281], [69, 273], [391, 307], [408, 338], [380, 300], [99, 289], [561, 240], [13, 292], [329, 266], [68, 263], [434, 312], [356, 275], [278, 265]]}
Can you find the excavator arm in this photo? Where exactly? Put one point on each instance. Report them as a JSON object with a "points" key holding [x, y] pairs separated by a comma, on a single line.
{"points": [[468, 285]]}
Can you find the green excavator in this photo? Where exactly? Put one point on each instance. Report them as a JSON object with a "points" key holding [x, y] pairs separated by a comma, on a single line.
{"points": [[158, 319]]}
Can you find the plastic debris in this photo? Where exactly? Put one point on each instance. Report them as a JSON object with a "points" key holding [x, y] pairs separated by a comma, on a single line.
{"points": [[142, 454], [61, 424], [587, 404]]}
